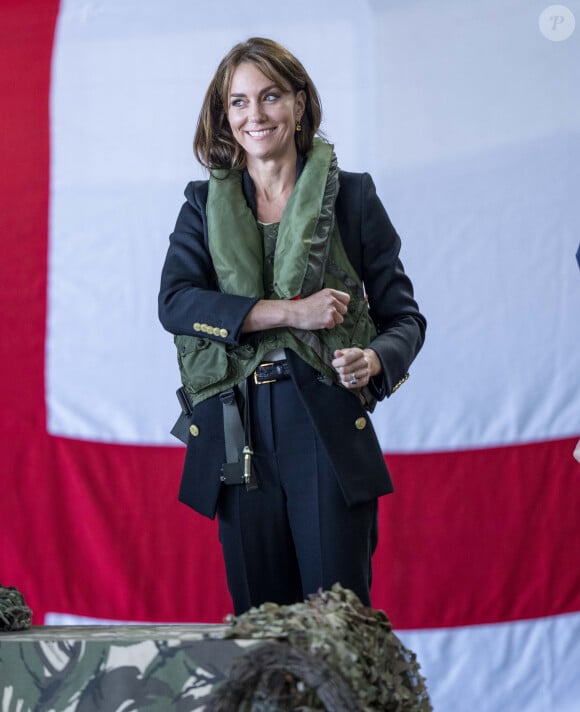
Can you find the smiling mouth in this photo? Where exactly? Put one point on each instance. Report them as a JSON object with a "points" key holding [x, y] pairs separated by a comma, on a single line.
{"points": [[259, 134]]}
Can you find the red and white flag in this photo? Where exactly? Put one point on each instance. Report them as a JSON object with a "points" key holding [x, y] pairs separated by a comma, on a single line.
{"points": [[467, 119]]}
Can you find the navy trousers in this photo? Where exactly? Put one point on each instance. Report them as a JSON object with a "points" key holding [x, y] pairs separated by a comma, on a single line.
{"points": [[294, 534]]}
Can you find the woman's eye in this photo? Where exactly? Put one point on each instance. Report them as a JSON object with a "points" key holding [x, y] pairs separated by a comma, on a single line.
{"points": [[237, 103], [271, 97]]}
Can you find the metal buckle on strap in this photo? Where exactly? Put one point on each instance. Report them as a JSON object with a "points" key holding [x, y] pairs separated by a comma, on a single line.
{"points": [[269, 380]]}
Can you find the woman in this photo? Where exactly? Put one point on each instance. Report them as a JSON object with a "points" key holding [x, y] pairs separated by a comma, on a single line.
{"points": [[292, 315]]}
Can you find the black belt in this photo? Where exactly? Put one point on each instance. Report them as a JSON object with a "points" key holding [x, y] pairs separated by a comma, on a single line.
{"points": [[271, 372]]}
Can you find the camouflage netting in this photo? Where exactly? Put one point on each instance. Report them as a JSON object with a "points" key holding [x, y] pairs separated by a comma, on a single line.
{"points": [[276, 677], [14, 613], [335, 654]]}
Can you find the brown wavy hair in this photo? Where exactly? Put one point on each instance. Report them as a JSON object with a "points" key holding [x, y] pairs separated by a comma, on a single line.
{"points": [[214, 145]]}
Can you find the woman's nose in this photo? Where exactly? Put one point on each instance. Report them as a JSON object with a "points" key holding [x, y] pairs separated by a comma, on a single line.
{"points": [[256, 112]]}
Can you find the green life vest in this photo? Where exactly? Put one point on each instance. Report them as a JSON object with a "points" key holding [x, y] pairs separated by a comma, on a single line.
{"points": [[308, 256]]}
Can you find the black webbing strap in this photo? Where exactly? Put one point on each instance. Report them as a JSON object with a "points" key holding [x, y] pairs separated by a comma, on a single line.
{"points": [[234, 435], [237, 470], [238, 439]]}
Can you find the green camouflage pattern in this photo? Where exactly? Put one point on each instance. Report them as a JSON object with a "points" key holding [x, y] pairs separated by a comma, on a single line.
{"points": [[328, 653], [106, 668]]}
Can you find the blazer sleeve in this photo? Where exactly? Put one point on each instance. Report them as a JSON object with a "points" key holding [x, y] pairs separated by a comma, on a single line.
{"points": [[374, 248], [189, 298]]}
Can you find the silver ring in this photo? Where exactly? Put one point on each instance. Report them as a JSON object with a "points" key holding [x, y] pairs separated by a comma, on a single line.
{"points": [[353, 379]]}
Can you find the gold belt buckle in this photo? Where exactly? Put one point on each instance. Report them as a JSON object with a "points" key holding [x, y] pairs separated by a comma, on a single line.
{"points": [[263, 383]]}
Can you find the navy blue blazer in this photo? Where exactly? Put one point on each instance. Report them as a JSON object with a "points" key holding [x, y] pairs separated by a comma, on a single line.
{"points": [[189, 295]]}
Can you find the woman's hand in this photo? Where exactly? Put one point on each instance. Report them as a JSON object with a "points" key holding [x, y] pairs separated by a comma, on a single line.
{"points": [[321, 310], [356, 367]]}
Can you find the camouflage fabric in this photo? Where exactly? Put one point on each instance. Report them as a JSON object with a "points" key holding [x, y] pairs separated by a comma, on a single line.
{"points": [[106, 668], [354, 644], [329, 653]]}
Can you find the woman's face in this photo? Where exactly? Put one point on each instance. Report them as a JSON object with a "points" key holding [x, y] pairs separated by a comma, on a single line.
{"points": [[263, 115]]}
